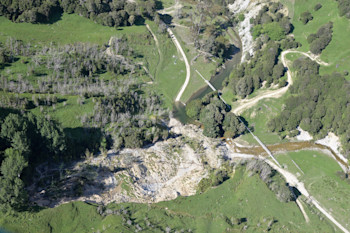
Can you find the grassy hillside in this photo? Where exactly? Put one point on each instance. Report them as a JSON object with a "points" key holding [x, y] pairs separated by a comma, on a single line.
{"points": [[243, 202], [323, 179], [170, 69], [259, 115], [337, 53], [70, 28]]}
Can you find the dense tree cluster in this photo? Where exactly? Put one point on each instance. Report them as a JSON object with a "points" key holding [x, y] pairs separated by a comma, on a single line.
{"points": [[264, 66], [215, 117], [33, 136], [321, 39], [12, 194], [271, 21], [26, 140], [111, 12], [319, 104], [106, 12], [127, 114], [35, 11], [121, 111], [344, 8], [306, 17], [209, 22], [270, 30]]}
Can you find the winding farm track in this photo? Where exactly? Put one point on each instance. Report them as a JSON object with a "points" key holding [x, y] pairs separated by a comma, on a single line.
{"points": [[289, 177], [155, 39], [171, 10], [247, 103], [188, 68], [293, 181], [158, 48]]}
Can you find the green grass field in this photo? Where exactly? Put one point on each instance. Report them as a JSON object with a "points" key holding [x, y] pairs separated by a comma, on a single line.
{"points": [[319, 174], [290, 5], [337, 53], [242, 197], [205, 67], [71, 28], [171, 70], [259, 115]]}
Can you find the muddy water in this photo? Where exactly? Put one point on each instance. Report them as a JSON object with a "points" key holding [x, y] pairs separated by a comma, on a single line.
{"points": [[179, 112], [287, 147], [179, 109]]}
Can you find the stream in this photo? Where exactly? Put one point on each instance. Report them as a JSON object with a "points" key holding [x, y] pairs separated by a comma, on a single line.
{"points": [[179, 110], [290, 146]]}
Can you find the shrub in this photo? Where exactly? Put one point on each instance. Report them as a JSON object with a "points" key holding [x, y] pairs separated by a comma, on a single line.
{"points": [[257, 30], [321, 39], [215, 178], [305, 17], [274, 31], [282, 83], [193, 108], [344, 8], [311, 38], [318, 6], [241, 17]]}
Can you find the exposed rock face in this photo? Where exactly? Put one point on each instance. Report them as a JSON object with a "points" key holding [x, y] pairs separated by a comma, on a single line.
{"points": [[303, 135], [164, 170], [160, 172], [250, 9]]}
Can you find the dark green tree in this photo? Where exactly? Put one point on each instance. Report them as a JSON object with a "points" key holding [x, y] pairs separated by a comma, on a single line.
{"points": [[12, 192], [193, 108]]}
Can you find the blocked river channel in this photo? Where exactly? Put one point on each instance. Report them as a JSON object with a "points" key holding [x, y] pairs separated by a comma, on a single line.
{"points": [[179, 112]]}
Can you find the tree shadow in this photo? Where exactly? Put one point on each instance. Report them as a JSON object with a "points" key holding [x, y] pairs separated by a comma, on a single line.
{"points": [[86, 181], [159, 5], [139, 21], [291, 28], [55, 16], [230, 52], [167, 19], [31, 209], [243, 120], [81, 139], [6, 111], [296, 192]]}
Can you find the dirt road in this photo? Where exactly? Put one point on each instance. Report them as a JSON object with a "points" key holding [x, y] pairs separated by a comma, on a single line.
{"points": [[171, 10], [188, 69], [293, 181], [247, 103]]}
